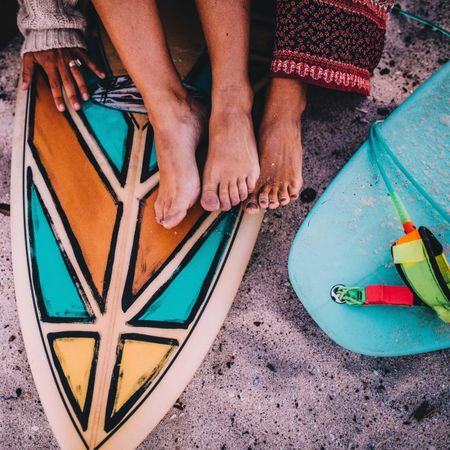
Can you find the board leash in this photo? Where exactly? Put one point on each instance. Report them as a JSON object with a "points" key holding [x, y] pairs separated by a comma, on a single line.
{"points": [[397, 10], [418, 255]]}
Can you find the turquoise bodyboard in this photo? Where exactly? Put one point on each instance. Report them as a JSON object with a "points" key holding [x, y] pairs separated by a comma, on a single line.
{"points": [[347, 236]]}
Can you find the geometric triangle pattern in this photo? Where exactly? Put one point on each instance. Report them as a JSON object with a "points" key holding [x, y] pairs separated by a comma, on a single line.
{"points": [[150, 255], [140, 358], [83, 197], [75, 356], [175, 304], [57, 287]]}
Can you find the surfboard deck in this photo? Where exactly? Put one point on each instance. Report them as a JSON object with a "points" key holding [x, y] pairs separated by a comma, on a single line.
{"points": [[346, 238], [116, 312]]}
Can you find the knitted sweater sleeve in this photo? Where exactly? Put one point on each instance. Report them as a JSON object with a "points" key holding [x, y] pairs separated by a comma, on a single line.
{"points": [[48, 24]]}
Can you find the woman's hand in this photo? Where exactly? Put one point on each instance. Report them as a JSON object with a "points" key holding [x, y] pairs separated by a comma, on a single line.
{"points": [[62, 70]]}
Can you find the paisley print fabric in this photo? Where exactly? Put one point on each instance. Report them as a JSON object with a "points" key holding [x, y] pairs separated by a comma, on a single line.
{"points": [[332, 43]]}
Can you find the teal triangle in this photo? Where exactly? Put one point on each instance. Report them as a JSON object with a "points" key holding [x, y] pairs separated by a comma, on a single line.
{"points": [[54, 279], [111, 132], [188, 287]]}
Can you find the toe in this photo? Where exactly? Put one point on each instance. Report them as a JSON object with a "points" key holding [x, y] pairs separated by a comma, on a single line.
{"points": [[273, 198], [224, 195], [166, 209], [210, 199], [243, 189], [174, 218], [251, 183], [263, 197], [251, 205], [283, 194], [159, 210], [234, 194], [294, 192]]}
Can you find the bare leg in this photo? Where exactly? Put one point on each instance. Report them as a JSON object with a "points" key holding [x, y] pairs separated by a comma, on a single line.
{"points": [[232, 166], [280, 147], [178, 121]]}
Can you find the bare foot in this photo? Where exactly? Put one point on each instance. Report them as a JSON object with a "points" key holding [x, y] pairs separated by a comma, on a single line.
{"points": [[232, 167], [178, 127], [280, 148]]}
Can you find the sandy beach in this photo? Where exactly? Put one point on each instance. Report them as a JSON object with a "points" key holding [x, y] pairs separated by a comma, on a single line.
{"points": [[272, 379]]}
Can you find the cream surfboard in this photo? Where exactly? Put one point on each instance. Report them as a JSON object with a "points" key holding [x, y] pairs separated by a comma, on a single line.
{"points": [[116, 312]]}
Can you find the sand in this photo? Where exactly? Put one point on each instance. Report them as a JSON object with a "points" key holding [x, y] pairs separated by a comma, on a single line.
{"points": [[272, 379]]}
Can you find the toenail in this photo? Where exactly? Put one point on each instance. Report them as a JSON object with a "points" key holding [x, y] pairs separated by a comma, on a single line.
{"points": [[252, 205]]}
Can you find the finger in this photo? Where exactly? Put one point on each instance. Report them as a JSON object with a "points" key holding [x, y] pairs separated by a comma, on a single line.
{"points": [[55, 86], [79, 80], [27, 70], [69, 86], [91, 64]]}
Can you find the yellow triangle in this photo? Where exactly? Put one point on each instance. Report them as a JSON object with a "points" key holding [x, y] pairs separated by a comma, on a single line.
{"points": [[140, 363], [75, 356]]}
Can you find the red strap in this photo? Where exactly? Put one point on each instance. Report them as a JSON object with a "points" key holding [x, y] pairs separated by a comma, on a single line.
{"points": [[389, 295]]}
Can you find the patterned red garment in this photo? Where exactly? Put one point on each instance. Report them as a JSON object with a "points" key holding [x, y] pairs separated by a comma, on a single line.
{"points": [[331, 43]]}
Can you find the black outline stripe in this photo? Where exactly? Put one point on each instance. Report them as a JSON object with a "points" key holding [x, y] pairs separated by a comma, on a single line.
{"points": [[147, 170]]}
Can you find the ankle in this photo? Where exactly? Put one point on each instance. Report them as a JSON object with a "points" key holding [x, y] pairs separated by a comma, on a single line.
{"points": [[232, 96], [166, 103], [286, 99]]}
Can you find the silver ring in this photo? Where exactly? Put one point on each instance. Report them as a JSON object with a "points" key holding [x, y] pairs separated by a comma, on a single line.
{"points": [[75, 63]]}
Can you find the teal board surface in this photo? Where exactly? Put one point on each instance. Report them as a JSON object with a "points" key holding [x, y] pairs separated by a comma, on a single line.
{"points": [[58, 297], [347, 236], [187, 287]]}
